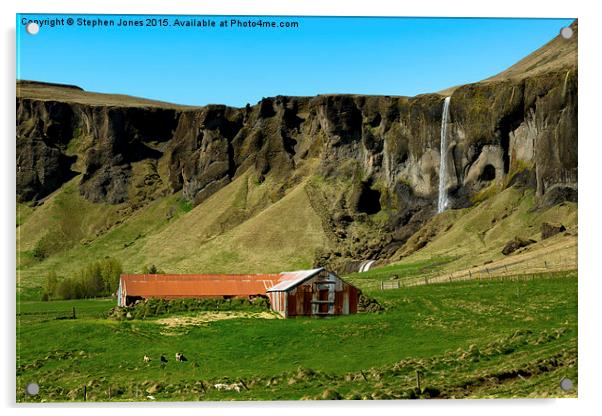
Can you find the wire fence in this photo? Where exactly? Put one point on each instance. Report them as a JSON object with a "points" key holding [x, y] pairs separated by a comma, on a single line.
{"points": [[512, 269]]}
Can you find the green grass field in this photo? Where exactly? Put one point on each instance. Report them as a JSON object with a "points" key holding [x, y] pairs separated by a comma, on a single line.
{"points": [[468, 339]]}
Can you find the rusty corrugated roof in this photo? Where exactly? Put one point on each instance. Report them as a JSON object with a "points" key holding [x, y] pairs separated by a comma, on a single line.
{"points": [[193, 285], [199, 285]]}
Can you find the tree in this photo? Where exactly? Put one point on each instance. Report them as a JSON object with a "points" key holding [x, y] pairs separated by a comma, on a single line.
{"points": [[66, 289], [152, 269], [111, 270]]}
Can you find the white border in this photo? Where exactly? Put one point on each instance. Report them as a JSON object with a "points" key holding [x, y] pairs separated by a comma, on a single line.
{"points": [[589, 149]]}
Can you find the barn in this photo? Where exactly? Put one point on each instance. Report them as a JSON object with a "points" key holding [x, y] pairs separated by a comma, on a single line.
{"points": [[315, 292]]}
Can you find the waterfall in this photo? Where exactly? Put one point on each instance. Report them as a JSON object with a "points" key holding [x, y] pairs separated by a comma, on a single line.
{"points": [[442, 202], [365, 266]]}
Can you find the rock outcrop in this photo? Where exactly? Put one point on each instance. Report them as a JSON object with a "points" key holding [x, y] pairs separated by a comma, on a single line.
{"points": [[515, 244], [549, 230]]}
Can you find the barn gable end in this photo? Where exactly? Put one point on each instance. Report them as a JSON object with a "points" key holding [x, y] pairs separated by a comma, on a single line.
{"points": [[319, 293]]}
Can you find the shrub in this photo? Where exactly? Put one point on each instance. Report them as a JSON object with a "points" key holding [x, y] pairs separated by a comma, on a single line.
{"points": [[154, 307], [39, 252], [100, 278], [185, 205], [49, 286]]}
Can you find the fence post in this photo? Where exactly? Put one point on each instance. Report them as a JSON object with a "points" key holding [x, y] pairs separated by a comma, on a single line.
{"points": [[382, 285], [418, 380], [85, 392], [243, 383]]}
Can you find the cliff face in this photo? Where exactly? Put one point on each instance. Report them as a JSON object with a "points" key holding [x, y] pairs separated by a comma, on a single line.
{"points": [[385, 151], [56, 140]]}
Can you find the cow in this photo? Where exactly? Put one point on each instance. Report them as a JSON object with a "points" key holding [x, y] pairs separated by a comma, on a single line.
{"points": [[180, 357], [146, 358]]}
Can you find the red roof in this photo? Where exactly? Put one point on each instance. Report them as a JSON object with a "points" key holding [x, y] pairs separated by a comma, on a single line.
{"points": [[197, 285]]}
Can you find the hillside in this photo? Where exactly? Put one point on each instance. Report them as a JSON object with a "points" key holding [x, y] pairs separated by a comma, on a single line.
{"points": [[43, 91], [292, 182], [559, 54]]}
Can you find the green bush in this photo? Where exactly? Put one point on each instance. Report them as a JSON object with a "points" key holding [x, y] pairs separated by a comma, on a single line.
{"points": [[50, 285], [39, 252], [185, 205]]}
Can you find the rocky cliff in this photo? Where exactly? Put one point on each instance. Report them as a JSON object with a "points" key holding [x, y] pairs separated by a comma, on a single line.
{"points": [[377, 156]]}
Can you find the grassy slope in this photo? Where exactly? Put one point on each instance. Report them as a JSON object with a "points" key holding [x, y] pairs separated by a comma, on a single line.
{"points": [[459, 334], [559, 53], [473, 236], [91, 231], [66, 214], [233, 230], [283, 236]]}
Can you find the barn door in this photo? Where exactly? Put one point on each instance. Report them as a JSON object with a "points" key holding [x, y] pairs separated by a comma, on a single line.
{"points": [[324, 291], [323, 298]]}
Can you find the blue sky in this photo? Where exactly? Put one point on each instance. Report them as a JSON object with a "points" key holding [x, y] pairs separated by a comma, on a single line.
{"points": [[388, 56]]}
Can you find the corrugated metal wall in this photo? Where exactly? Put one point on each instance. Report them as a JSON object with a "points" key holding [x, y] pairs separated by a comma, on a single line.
{"points": [[323, 295], [121, 293], [278, 302]]}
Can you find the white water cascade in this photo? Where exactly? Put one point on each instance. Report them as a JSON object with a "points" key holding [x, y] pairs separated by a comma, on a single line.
{"points": [[442, 202], [365, 265]]}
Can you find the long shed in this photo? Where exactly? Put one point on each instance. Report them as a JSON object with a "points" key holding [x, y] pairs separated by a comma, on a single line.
{"points": [[134, 287], [315, 292]]}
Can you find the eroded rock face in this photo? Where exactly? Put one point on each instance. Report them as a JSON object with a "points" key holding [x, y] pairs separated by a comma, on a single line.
{"points": [[43, 132], [58, 140], [495, 128], [386, 148], [199, 157]]}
